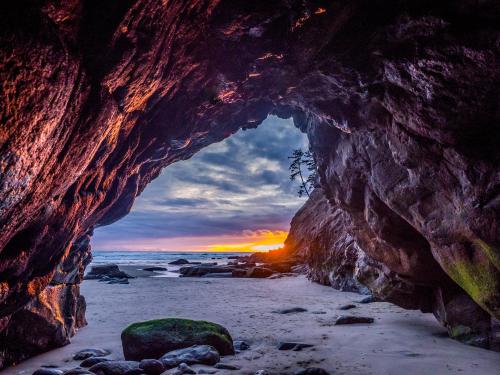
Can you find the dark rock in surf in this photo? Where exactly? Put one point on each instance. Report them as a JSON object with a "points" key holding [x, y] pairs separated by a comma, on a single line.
{"points": [[155, 269], [179, 262], [106, 270]]}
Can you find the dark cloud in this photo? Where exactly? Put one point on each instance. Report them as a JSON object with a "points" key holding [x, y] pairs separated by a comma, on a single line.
{"points": [[239, 184]]}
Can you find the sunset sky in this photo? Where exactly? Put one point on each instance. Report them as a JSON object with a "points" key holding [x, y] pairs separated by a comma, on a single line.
{"points": [[235, 195]]}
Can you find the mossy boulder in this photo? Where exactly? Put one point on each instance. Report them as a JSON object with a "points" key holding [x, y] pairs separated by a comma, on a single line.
{"points": [[154, 338]]}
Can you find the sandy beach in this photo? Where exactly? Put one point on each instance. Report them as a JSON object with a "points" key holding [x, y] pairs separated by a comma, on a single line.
{"points": [[398, 342]]}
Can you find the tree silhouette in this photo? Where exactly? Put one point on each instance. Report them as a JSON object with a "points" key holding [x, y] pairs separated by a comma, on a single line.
{"points": [[300, 159]]}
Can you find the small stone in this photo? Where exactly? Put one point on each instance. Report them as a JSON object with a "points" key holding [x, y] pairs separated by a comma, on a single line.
{"points": [[240, 345], [89, 362], [347, 307], [227, 366], [87, 353], [313, 371], [77, 371], [369, 299], [292, 310], [155, 269], [48, 371], [261, 372], [350, 319], [184, 369], [295, 346], [179, 262], [152, 366]]}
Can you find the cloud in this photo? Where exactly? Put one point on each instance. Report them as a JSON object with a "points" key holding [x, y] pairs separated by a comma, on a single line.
{"points": [[240, 184]]}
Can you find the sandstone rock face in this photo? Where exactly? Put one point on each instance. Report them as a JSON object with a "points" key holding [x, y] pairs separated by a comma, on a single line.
{"points": [[399, 100]]}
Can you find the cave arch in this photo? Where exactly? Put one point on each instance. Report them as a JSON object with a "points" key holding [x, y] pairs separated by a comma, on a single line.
{"points": [[396, 98]]}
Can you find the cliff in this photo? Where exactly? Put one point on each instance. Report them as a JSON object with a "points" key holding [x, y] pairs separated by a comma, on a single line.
{"points": [[399, 100]]}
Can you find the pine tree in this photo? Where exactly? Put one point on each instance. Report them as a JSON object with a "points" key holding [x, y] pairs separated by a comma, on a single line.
{"points": [[301, 159]]}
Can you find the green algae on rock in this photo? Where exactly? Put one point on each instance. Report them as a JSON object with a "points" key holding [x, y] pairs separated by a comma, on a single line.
{"points": [[154, 338]]}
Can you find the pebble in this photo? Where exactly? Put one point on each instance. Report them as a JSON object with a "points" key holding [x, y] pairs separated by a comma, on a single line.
{"points": [[227, 366], [292, 310], [295, 346], [351, 319], [313, 371], [48, 371]]}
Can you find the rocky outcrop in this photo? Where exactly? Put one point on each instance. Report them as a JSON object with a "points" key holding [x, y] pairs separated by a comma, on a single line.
{"points": [[321, 235], [399, 100], [49, 320]]}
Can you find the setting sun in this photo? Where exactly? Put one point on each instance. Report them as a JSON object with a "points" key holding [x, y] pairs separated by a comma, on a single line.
{"points": [[261, 240]]}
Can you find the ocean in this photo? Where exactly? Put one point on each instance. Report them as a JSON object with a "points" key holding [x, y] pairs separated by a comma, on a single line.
{"points": [[159, 258]]}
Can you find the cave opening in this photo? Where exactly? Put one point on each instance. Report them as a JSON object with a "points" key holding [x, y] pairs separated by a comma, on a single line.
{"points": [[232, 196]]}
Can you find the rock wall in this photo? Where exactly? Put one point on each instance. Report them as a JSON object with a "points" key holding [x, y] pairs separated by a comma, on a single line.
{"points": [[322, 237], [49, 320], [399, 99]]}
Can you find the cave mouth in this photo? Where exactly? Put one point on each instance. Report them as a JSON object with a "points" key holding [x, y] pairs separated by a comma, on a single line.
{"points": [[232, 196]]}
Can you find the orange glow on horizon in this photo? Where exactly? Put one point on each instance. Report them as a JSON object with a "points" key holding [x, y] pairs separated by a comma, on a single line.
{"points": [[246, 241], [262, 240]]}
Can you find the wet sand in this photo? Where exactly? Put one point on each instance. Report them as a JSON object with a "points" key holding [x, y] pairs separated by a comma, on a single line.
{"points": [[399, 342]]}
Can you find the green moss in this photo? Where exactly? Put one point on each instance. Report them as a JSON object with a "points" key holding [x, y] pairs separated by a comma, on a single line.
{"points": [[491, 252], [477, 280]]}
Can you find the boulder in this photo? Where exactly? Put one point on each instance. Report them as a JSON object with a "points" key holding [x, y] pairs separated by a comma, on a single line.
{"points": [[154, 338], [239, 273], [259, 272], [109, 270], [89, 362], [115, 367], [203, 269], [194, 355], [152, 366], [281, 267]]}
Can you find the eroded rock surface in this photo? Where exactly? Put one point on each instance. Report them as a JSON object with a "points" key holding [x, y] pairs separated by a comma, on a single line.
{"points": [[399, 100]]}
